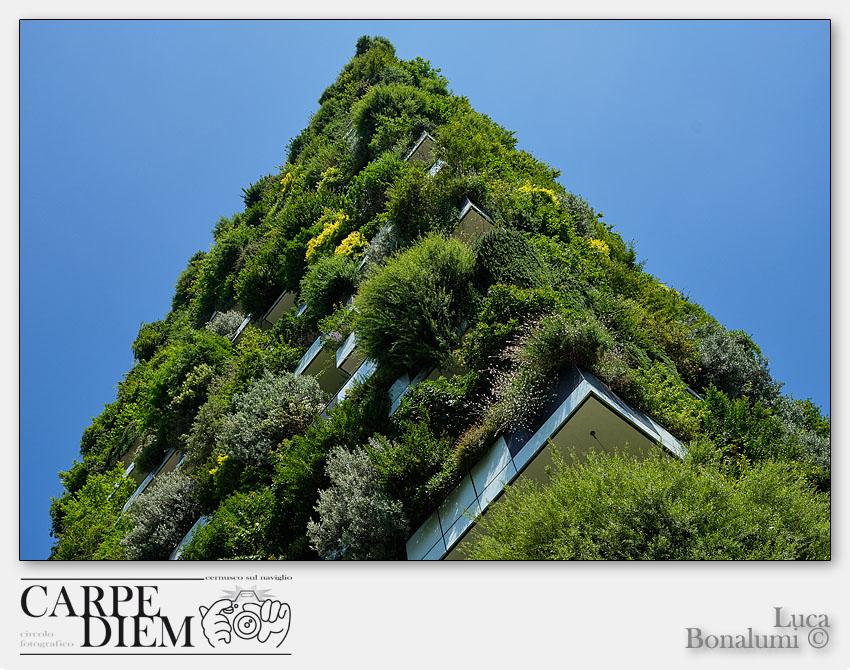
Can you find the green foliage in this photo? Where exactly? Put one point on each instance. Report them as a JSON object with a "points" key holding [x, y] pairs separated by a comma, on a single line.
{"points": [[417, 205], [160, 517], [561, 286], [613, 508], [520, 388], [666, 399], [256, 285], [272, 409], [90, 524], [470, 142], [368, 192], [215, 285], [185, 290], [151, 337], [410, 310], [442, 405], [563, 338], [237, 530], [507, 257], [328, 283], [225, 324], [407, 464], [391, 113], [299, 471], [356, 518], [364, 43], [253, 195], [732, 362], [173, 376], [744, 430]]}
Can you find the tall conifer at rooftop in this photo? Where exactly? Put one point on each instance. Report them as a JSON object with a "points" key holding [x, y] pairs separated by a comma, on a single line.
{"points": [[212, 397]]}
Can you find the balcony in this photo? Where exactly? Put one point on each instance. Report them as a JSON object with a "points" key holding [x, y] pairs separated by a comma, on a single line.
{"points": [[348, 356], [423, 150], [128, 461], [171, 461], [284, 303], [436, 167], [583, 415], [319, 361], [178, 550], [402, 385], [239, 330], [366, 370], [473, 223]]}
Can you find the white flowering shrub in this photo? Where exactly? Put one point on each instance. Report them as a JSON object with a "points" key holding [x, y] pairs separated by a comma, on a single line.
{"points": [[161, 516], [357, 520], [731, 361], [226, 323], [271, 410]]}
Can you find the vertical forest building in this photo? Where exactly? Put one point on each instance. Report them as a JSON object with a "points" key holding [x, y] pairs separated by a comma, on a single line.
{"points": [[415, 343]]}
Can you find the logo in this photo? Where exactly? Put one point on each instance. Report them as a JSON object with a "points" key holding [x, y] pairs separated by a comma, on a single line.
{"points": [[247, 617], [86, 618]]}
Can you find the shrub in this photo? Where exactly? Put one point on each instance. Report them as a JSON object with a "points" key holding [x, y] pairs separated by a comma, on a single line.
{"points": [[522, 388], [356, 518], [743, 429], [226, 323], [393, 107], [469, 142], [565, 337], [257, 285], [236, 531], [271, 410], [151, 337], [443, 405], [506, 257], [368, 192], [665, 397], [352, 244], [417, 205], [90, 522], [407, 464], [185, 288], [333, 228], [410, 310], [328, 283], [383, 245], [732, 362], [365, 42], [199, 442], [299, 471], [161, 516], [612, 508]]}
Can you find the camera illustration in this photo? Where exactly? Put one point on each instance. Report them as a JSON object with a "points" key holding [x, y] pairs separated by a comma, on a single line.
{"points": [[245, 616], [245, 623]]}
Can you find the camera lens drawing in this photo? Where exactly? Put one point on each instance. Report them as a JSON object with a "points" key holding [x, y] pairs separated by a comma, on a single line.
{"points": [[246, 625], [262, 620]]}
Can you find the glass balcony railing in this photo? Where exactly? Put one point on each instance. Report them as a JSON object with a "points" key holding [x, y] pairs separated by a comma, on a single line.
{"points": [[178, 550], [284, 303], [239, 330], [147, 480], [402, 385], [366, 370], [582, 415]]}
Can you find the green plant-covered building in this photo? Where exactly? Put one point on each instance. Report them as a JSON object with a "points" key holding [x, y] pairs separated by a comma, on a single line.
{"points": [[413, 342]]}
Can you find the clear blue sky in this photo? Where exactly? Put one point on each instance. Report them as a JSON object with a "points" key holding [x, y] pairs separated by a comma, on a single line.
{"points": [[705, 142]]}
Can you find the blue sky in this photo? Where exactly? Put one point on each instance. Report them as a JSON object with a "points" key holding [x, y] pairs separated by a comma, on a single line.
{"points": [[706, 142]]}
